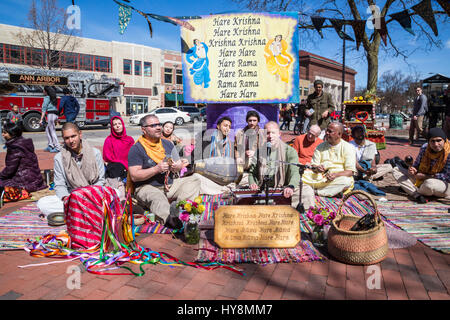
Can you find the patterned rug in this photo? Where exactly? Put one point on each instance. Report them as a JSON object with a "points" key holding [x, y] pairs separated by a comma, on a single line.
{"points": [[303, 252], [23, 224], [154, 227], [429, 223], [209, 252]]}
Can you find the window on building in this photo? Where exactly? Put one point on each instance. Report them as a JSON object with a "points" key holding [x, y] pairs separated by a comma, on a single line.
{"points": [[103, 64], [16, 54], [147, 69], [305, 91], [179, 76], [127, 66], [136, 105], [168, 75], [54, 58], [35, 57], [86, 62], [137, 67], [2, 52], [69, 60]]}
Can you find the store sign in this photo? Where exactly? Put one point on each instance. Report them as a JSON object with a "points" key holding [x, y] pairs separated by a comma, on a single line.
{"points": [[245, 57], [38, 79]]}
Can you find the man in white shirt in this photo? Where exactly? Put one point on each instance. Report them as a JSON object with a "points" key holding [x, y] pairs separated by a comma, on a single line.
{"points": [[366, 151]]}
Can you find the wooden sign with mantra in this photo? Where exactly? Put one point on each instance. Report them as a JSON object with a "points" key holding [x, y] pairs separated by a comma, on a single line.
{"points": [[256, 226]]}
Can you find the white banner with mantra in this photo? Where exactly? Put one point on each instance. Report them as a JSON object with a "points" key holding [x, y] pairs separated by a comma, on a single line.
{"points": [[245, 57]]}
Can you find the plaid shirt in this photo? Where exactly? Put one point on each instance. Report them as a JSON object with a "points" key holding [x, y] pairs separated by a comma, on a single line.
{"points": [[444, 175]]}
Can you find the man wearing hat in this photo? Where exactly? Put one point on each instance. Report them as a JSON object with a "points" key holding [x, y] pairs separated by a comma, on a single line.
{"points": [[430, 173], [322, 106]]}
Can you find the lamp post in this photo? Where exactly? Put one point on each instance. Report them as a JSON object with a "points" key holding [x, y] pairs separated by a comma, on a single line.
{"points": [[343, 69], [176, 88]]}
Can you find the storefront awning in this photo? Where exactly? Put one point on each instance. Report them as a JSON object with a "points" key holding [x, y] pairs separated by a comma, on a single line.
{"points": [[171, 97]]}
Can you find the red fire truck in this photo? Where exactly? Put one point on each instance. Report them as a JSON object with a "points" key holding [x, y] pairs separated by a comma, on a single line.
{"points": [[97, 95]]}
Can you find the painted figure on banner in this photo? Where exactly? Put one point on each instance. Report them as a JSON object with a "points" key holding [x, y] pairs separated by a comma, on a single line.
{"points": [[197, 56], [277, 58]]}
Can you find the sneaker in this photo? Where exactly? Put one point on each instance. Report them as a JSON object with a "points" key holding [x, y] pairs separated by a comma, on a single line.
{"points": [[48, 149], [54, 150]]}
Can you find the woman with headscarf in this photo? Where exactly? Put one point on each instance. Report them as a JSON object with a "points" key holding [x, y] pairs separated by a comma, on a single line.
{"points": [[430, 173], [49, 107], [116, 148]]}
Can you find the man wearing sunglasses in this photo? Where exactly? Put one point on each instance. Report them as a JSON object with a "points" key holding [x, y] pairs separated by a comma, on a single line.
{"points": [[154, 164]]}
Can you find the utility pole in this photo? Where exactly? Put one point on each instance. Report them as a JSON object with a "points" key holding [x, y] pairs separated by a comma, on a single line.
{"points": [[343, 70], [176, 86]]}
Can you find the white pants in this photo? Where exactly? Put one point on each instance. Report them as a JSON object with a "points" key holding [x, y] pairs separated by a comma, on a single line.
{"points": [[50, 130], [430, 187], [181, 189]]}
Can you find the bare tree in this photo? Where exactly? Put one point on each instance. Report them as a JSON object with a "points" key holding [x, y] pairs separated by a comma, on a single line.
{"points": [[49, 34], [397, 89], [351, 10]]}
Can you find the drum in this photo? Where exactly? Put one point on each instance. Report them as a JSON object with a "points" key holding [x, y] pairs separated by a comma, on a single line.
{"points": [[221, 170]]}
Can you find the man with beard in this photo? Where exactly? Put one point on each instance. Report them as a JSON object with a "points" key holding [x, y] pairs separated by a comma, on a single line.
{"points": [[430, 173], [154, 165], [273, 158]]}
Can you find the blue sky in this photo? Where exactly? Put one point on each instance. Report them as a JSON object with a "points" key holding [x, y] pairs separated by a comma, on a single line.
{"points": [[99, 20]]}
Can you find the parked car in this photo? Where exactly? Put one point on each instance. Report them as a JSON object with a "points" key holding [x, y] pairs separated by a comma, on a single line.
{"points": [[193, 111], [164, 114]]}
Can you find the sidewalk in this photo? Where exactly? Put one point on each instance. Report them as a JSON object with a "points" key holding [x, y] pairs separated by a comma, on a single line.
{"points": [[407, 274]]}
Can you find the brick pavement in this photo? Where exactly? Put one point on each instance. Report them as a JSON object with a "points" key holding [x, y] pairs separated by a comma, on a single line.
{"points": [[407, 274]]}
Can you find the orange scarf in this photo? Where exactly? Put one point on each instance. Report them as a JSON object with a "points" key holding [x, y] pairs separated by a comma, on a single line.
{"points": [[428, 156], [155, 151]]}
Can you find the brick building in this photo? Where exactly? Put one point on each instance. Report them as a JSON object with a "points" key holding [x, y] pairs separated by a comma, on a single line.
{"points": [[314, 67], [172, 79]]}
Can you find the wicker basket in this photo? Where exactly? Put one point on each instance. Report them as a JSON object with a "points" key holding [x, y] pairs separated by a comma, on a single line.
{"points": [[357, 247]]}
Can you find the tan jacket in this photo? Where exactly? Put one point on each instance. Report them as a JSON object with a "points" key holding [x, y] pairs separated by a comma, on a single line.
{"points": [[320, 104]]}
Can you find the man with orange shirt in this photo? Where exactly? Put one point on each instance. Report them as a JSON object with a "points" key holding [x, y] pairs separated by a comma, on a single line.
{"points": [[306, 144]]}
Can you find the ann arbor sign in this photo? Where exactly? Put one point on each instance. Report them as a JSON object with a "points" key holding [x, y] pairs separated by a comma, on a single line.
{"points": [[16, 78]]}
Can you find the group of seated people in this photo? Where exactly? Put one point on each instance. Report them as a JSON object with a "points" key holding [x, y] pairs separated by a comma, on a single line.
{"points": [[152, 166]]}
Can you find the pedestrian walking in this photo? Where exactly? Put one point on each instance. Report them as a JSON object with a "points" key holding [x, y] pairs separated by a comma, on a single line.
{"points": [[49, 107]]}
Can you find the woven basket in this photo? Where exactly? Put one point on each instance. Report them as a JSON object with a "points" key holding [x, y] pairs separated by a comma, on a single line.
{"points": [[357, 247]]}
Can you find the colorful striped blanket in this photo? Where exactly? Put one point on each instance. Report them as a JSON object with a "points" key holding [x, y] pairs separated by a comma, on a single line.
{"points": [[23, 224], [429, 223]]}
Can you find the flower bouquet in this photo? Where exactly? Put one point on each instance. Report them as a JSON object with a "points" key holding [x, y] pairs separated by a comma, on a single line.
{"points": [[318, 218], [190, 212]]}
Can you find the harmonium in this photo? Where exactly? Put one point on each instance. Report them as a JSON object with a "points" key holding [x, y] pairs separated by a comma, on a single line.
{"points": [[258, 197]]}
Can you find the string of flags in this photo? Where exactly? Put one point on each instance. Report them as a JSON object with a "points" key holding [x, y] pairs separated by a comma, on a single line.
{"points": [[423, 9], [125, 13]]}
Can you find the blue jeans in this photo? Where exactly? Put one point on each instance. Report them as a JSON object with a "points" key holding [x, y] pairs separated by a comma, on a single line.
{"points": [[71, 117]]}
